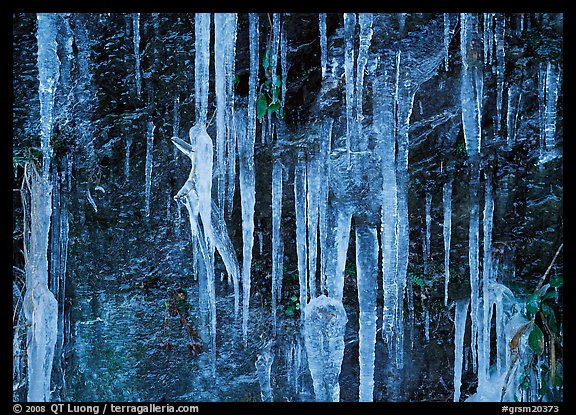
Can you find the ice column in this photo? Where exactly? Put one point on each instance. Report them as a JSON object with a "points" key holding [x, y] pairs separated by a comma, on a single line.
{"points": [[551, 88], [220, 75], [325, 145], [365, 21], [349, 30], [230, 50], [323, 43], [499, 37], [324, 329]]}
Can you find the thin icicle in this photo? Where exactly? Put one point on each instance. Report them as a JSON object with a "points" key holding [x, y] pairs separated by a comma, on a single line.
{"points": [[277, 248], [365, 22], [499, 36], [263, 368], [459, 331], [349, 32], [325, 146], [313, 199], [446, 39], [91, 200], [136, 40], [175, 124], [323, 43], [230, 50], [301, 245], [283, 64], [148, 167], [428, 206], [447, 203]]}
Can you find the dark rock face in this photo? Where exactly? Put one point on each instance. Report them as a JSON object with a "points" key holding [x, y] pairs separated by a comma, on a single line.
{"points": [[135, 323]]}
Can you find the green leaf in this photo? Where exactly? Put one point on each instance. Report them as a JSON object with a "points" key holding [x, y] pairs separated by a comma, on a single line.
{"points": [[236, 79], [536, 340], [552, 323], [297, 306], [278, 81], [556, 281], [549, 294], [289, 311], [557, 380], [261, 106], [524, 381], [273, 107], [293, 298], [533, 304]]}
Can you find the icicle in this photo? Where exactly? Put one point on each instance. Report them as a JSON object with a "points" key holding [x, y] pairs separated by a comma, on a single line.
{"points": [[324, 329], [349, 30], [446, 39], [365, 22], [247, 174], [447, 202], [384, 128], [499, 36], [427, 323], [247, 196], [263, 367], [313, 199], [220, 39], [471, 117], [428, 225], [367, 250], [283, 64], [512, 113], [301, 245], [410, 301], [487, 283], [339, 224], [148, 169], [542, 104], [176, 124], [230, 50], [127, 157], [325, 144], [401, 23], [488, 38], [459, 330], [323, 43], [277, 249], [552, 82], [405, 104], [136, 40], [202, 66], [91, 200]]}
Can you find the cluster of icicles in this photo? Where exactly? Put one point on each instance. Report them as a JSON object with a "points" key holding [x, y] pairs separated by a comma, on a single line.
{"points": [[214, 169]]}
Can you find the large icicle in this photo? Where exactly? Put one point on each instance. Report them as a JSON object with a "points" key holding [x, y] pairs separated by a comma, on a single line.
{"points": [[247, 174], [247, 196], [367, 250], [384, 128], [40, 305], [324, 330], [202, 66], [459, 331], [514, 96], [220, 75], [447, 230], [428, 206], [301, 245], [148, 167], [230, 50], [472, 134], [277, 242], [446, 39], [365, 21], [136, 40], [312, 199], [487, 283]]}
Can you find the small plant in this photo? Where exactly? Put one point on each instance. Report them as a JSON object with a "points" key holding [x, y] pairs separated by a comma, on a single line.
{"points": [[25, 155], [269, 101], [293, 306], [178, 306]]}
